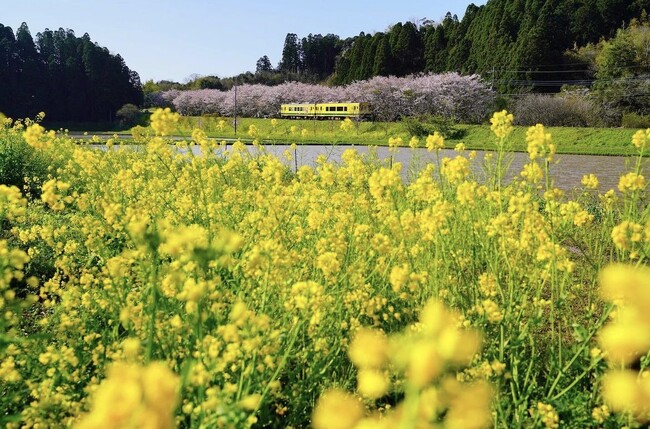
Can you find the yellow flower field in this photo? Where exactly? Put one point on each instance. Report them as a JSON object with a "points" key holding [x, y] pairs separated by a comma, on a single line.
{"points": [[157, 288]]}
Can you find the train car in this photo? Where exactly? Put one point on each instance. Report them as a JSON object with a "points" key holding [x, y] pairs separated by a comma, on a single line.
{"points": [[326, 111], [297, 110]]}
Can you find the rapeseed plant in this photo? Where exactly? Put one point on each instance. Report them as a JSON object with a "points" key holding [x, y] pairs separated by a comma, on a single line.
{"points": [[336, 294]]}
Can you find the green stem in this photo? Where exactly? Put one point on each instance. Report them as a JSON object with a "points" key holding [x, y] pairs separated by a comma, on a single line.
{"points": [[283, 362], [577, 354]]}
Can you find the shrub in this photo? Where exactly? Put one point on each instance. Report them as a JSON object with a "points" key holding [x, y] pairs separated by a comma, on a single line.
{"points": [[560, 111], [129, 115], [429, 124], [634, 120]]}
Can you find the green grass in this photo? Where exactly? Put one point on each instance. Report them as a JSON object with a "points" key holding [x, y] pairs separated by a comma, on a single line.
{"points": [[572, 140]]}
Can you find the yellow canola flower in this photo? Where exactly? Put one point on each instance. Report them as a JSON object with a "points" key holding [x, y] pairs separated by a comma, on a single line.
{"points": [[599, 414], [399, 275], [469, 405], [436, 343], [626, 234], [590, 181], [394, 143], [131, 347], [414, 142], [347, 125], [532, 173], [467, 193], [539, 143], [501, 124], [36, 137], [185, 239], [199, 136], [627, 337], [5, 122], [251, 402], [435, 141], [625, 391], [641, 139], [133, 396], [549, 416], [329, 264], [12, 203], [53, 194], [8, 371], [424, 363], [631, 182], [337, 409], [455, 170], [164, 121], [372, 383], [369, 348]]}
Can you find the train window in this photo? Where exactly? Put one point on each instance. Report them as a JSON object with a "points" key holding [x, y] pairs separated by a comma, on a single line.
{"points": [[339, 108]]}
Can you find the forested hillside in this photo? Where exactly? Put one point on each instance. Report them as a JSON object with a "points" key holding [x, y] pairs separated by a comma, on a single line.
{"points": [[70, 78], [512, 43]]}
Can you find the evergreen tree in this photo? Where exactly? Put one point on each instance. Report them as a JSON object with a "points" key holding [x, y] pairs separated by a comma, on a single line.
{"points": [[408, 50], [342, 70], [330, 48], [290, 62], [8, 70], [368, 59], [436, 51], [393, 34], [30, 75], [381, 66], [263, 65], [356, 59]]}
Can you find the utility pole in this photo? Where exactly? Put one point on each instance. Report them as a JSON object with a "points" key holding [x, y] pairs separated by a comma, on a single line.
{"points": [[235, 124], [492, 83]]}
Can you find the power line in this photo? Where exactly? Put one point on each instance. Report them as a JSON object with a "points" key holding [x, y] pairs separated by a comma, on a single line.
{"points": [[539, 71], [560, 82], [561, 71]]}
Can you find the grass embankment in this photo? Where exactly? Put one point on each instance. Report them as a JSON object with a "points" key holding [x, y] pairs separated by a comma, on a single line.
{"points": [[572, 140], [597, 141]]}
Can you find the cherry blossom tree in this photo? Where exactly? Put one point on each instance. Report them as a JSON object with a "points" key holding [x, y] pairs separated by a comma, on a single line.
{"points": [[461, 98]]}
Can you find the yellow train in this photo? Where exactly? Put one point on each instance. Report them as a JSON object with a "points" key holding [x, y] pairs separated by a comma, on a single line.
{"points": [[325, 110]]}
